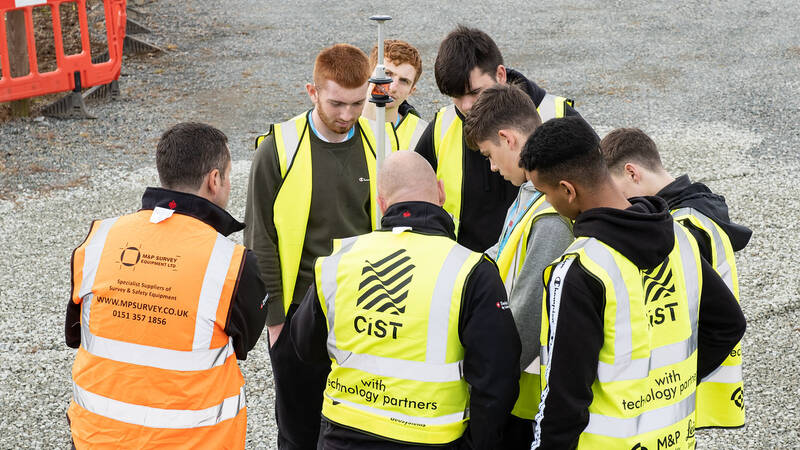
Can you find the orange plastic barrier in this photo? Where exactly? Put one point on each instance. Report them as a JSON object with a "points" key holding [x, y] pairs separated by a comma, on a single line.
{"points": [[71, 68]]}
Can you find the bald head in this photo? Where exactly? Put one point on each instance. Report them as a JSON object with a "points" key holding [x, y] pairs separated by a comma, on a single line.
{"points": [[408, 177]]}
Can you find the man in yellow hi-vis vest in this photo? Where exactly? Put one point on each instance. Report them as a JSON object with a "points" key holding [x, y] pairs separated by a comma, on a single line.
{"points": [[533, 235], [312, 180], [635, 165], [416, 328], [633, 316], [162, 306], [403, 64], [468, 62]]}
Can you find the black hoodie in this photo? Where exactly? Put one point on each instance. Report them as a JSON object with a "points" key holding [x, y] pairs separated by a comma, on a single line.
{"points": [[485, 195], [486, 330], [643, 233], [682, 193]]}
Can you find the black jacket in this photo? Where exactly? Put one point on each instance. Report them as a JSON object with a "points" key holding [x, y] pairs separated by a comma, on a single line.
{"points": [[644, 234], [485, 195], [486, 330], [247, 315], [682, 193]]}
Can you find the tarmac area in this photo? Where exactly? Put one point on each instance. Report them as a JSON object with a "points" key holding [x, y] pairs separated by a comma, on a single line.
{"points": [[717, 85]]}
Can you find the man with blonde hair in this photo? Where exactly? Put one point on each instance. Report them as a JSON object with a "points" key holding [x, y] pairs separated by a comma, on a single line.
{"points": [[312, 180], [403, 65]]}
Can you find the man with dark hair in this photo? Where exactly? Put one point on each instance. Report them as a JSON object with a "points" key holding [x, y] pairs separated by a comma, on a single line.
{"points": [[312, 180], [162, 305], [630, 328], [416, 328], [403, 65], [635, 164], [467, 63], [533, 235]]}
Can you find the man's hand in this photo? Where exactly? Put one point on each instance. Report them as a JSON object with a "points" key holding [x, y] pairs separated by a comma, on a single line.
{"points": [[274, 331]]}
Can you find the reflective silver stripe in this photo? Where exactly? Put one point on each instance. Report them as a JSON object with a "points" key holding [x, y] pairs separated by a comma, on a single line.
{"points": [[440, 420], [448, 117], [156, 417], [211, 291], [92, 253], [329, 270], [161, 358], [399, 368], [623, 340], [691, 278], [645, 422], [723, 266], [291, 141], [441, 301], [547, 108], [511, 277], [724, 374], [418, 131]]}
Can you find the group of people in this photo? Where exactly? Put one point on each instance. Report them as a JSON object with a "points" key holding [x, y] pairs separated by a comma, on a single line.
{"points": [[506, 279]]}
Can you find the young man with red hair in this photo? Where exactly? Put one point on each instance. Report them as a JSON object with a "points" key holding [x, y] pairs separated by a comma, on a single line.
{"points": [[403, 65], [312, 181]]}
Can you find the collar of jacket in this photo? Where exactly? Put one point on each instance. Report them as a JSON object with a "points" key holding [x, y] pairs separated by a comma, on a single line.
{"points": [[420, 216], [406, 108], [532, 89], [194, 206]]}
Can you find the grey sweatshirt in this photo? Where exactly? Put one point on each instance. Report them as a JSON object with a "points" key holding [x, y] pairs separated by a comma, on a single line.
{"points": [[549, 237]]}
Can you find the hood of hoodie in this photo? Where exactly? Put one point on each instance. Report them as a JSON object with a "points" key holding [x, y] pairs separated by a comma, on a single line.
{"points": [[682, 193], [407, 108], [423, 217], [532, 89], [643, 233]]}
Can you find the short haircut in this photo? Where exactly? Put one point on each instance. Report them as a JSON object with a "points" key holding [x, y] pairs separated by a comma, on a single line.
{"points": [[625, 145], [187, 152], [500, 107], [461, 51], [344, 64], [565, 149], [398, 52]]}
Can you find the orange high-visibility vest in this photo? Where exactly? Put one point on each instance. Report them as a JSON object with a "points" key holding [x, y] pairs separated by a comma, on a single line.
{"points": [[155, 367]]}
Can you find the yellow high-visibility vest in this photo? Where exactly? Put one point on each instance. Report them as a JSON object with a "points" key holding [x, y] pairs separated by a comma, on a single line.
{"points": [[509, 263], [293, 201], [392, 302], [448, 147], [644, 392], [720, 396]]}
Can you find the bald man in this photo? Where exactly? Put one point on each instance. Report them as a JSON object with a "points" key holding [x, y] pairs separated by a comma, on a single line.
{"points": [[416, 329]]}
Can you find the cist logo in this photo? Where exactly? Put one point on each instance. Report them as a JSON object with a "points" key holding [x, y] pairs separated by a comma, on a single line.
{"points": [[738, 397], [658, 283], [639, 446], [130, 256], [384, 284]]}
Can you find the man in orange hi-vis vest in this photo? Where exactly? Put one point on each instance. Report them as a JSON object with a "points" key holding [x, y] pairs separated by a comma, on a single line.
{"points": [[163, 303]]}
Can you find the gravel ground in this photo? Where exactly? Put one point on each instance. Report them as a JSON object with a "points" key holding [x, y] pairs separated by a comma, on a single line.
{"points": [[715, 83]]}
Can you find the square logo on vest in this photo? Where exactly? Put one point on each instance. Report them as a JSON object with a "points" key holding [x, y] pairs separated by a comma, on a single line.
{"points": [[383, 289]]}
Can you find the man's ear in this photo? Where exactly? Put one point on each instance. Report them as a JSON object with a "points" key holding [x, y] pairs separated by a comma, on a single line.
{"points": [[500, 74], [442, 195], [312, 92], [633, 172], [509, 137], [213, 182], [413, 89], [568, 189]]}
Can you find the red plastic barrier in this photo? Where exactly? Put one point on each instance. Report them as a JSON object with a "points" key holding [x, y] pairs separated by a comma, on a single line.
{"points": [[63, 78]]}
